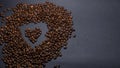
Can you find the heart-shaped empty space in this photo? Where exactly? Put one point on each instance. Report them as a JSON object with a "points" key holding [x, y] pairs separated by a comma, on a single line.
{"points": [[33, 34]]}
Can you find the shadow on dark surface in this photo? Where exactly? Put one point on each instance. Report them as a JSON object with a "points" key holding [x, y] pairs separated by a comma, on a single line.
{"points": [[93, 64]]}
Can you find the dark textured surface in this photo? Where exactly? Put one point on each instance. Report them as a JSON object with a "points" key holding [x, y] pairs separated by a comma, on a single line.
{"points": [[97, 24]]}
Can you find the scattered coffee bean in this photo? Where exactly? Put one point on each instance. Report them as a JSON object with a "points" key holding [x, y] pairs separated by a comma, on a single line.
{"points": [[17, 53]]}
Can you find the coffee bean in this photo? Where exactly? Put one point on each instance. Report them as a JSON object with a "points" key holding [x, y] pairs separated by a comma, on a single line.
{"points": [[17, 53]]}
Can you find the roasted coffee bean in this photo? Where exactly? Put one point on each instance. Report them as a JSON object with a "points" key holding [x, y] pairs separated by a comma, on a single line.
{"points": [[17, 53], [33, 34]]}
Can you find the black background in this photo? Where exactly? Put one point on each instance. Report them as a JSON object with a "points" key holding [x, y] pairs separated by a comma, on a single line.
{"points": [[97, 24]]}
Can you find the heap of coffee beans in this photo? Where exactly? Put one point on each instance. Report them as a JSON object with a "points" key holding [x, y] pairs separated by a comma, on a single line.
{"points": [[33, 34], [17, 53]]}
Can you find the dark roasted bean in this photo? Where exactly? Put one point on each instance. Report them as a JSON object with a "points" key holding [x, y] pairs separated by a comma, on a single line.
{"points": [[17, 53]]}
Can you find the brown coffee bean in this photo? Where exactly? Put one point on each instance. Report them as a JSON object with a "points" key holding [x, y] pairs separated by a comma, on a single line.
{"points": [[21, 54]]}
